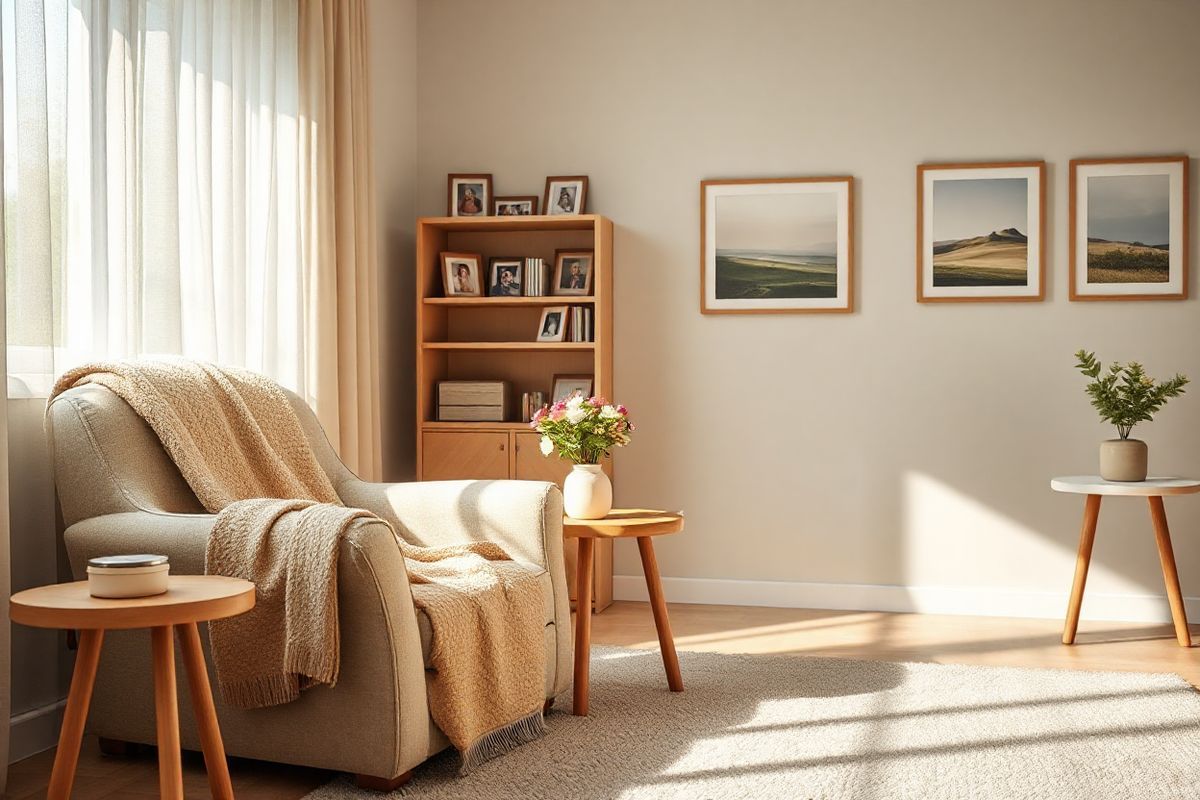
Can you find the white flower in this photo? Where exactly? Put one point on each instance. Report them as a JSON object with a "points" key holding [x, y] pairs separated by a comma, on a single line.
{"points": [[609, 412], [576, 401], [546, 446], [575, 415]]}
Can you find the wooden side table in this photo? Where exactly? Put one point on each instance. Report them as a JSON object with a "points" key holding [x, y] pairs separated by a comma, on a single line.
{"points": [[621, 523], [1153, 489], [189, 599]]}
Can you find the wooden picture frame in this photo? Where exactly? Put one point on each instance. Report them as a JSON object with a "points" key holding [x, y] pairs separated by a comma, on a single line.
{"points": [[559, 316], [521, 205], [590, 380], [454, 282], [580, 285], [1107, 250], [463, 188], [738, 281], [577, 188], [988, 243], [496, 286]]}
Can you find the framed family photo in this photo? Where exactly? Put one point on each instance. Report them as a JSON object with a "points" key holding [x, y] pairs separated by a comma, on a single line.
{"points": [[565, 194], [777, 245], [469, 195], [515, 206], [572, 272], [1129, 228], [461, 274], [552, 327], [504, 276], [564, 386], [981, 232]]}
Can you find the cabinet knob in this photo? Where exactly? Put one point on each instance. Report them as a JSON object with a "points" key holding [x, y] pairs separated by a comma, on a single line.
{"points": [[502, 447]]}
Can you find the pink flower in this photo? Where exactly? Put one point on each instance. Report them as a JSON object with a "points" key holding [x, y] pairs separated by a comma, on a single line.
{"points": [[558, 412], [622, 410], [597, 402]]}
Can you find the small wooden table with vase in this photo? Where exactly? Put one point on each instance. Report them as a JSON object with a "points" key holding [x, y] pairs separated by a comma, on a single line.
{"points": [[620, 523], [189, 599], [1153, 489]]}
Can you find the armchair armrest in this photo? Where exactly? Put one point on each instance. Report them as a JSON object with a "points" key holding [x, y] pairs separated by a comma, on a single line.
{"points": [[524, 517]]}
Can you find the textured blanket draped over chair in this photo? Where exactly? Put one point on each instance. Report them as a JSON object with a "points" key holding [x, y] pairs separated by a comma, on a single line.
{"points": [[279, 524]]}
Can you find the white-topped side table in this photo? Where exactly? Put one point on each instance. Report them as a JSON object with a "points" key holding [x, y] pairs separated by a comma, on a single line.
{"points": [[1154, 490]]}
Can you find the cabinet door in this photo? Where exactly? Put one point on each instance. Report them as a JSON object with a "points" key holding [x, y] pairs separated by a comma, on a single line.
{"points": [[460, 455], [531, 465]]}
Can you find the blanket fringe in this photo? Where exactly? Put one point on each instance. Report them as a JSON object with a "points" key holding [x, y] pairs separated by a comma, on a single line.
{"points": [[505, 738], [260, 692]]}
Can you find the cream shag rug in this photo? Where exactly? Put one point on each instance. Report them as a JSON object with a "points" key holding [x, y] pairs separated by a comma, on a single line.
{"points": [[796, 727]]}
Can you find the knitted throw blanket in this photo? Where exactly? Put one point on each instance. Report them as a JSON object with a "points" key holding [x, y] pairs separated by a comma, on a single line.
{"points": [[239, 445]]}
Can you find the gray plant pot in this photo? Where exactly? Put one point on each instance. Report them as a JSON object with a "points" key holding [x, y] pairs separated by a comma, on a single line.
{"points": [[1123, 460]]}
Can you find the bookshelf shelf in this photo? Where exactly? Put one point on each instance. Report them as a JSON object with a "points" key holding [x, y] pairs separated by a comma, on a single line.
{"points": [[503, 302], [493, 338], [529, 346]]}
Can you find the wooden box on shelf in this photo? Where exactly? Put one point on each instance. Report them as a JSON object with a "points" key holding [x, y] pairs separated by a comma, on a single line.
{"points": [[494, 339]]}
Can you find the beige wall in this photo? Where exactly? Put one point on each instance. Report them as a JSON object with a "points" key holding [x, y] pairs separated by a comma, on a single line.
{"points": [[902, 446], [393, 65]]}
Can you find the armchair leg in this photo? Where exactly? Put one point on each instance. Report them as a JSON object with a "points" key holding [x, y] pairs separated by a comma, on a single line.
{"points": [[117, 747], [549, 705], [374, 784]]}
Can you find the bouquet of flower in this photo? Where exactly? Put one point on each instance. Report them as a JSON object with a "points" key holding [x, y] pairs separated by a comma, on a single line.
{"points": [[582, 429]]}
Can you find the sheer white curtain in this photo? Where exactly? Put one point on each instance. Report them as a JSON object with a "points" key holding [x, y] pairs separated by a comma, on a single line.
{"points": [[152, 183]]}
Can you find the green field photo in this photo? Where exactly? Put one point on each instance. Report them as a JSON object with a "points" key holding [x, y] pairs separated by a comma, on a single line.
{"points": [[776, 246]]}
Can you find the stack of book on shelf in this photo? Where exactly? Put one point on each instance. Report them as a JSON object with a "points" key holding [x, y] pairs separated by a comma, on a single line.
{"points": [[537, 278], [581, 324]]}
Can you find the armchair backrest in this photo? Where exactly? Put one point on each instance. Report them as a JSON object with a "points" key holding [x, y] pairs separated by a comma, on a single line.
{"points": [[108, 460]]}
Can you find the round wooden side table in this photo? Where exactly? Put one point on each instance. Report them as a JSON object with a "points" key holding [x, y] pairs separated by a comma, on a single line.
{"points": [[621, 523], [1153, 489], [189, 599]]}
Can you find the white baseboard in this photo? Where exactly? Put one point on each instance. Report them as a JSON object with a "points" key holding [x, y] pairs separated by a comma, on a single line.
{"points": [[35, 730], [912, 599]]}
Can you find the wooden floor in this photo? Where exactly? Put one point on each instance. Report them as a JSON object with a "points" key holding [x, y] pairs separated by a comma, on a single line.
{"points": [[845, 634]]}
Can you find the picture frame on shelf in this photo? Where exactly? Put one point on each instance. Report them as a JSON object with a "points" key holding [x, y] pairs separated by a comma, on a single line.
{"points": [[525, 205], [461, 274], [1129, 228], [552, 327], [505, 277], [468, 194], [777, 245], [981, 232], [573, 272], [565, 194], [563, 386]]}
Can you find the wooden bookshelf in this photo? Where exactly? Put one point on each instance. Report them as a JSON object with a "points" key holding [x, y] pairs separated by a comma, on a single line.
{"points": [[493, 338]]}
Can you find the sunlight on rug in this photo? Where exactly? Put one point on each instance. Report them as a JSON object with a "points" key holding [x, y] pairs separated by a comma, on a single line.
{"points": [[796, 727]]}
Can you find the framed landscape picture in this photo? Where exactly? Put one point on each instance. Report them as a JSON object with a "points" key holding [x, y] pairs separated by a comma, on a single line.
{"points": [[1129, 228], [981, 232], [777, 245]]}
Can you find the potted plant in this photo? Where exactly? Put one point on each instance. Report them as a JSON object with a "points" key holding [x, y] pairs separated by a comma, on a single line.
{"points": [[583, 431], [1125, 395]]}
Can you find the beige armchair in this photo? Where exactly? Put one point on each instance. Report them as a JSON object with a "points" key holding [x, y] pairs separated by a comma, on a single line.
{"points": [[120, 493]]}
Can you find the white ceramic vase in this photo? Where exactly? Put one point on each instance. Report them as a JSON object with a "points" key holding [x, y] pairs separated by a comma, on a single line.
{"points": [[587, 492], [1123, 460]]}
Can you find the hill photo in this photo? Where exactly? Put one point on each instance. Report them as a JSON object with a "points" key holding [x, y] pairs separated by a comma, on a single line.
{"points": [[1000, 258], [1125, 212], [977, 232]]}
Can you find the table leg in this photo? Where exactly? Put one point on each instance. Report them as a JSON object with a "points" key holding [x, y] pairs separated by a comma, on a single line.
{"points": [[1087, 536], [583, 624], [66, 759], [658, 604], [166, 714], [1166, 555], [206, 714]]}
